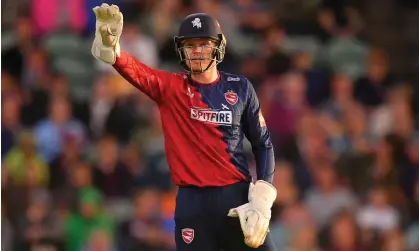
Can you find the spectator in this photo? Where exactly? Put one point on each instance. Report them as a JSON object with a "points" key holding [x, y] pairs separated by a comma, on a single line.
{"points": [[410, 171], [135, 163], [288, 107], [40, 227], [56, 15], [283, 181], [317, 84], [371, 89], [110, 175], [326, 26], [295, 214], [79, 177], [100, 106], [393, 241], [378, 214], [10, 118], [16, 56], [394, 116], [304, 239], [99, 241], [7, 231], [344, 235], [347, 135], [62, 165], [384, 169], [144, 231], [341, 96], [412, 237], [23, 161], [50, 132], [88, 218], [37, 80], [327, 191], [168, 214]]}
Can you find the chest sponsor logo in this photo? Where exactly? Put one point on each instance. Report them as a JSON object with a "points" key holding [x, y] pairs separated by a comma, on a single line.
{"points": [[212, 116]]}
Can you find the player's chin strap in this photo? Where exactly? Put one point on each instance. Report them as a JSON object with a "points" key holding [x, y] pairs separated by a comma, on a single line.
{"points": [[255, 216]]}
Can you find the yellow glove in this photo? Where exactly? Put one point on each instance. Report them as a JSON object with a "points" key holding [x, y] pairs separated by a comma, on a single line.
{"points": [[109, 23], [255, 216]]}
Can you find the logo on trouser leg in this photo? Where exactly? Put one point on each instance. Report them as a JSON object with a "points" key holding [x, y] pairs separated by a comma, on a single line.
{"points": [[187, 235]]}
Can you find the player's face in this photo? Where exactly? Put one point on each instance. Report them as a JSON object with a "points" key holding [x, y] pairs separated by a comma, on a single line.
{"points": [[198, 53]]}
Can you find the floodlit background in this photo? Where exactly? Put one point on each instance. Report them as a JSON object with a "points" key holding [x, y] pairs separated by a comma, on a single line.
{"points": [[83, 163]]}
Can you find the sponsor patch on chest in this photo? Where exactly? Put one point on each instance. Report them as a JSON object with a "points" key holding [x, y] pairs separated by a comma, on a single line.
{"points": [[212, 116]]}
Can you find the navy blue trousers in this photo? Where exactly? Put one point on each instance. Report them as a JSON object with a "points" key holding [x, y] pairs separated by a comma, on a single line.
{"points": [[201, 219]]}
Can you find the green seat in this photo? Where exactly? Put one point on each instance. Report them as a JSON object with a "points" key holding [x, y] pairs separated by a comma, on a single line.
{"points": [[79, 72], [309, 44], [346, 55], [8, 39], [64, 44]]}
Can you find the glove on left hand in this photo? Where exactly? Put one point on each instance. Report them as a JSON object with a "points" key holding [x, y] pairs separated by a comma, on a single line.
{"points": [[255, 216]]}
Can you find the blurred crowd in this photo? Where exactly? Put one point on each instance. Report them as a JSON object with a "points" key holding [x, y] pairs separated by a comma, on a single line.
{"points": [[83, 162]]}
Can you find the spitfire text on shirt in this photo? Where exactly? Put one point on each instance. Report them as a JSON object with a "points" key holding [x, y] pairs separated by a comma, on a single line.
{"points": [[212, 116]]}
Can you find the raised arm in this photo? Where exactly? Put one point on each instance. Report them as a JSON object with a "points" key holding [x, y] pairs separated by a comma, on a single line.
{"points": [[109, 24], [148, 80]]}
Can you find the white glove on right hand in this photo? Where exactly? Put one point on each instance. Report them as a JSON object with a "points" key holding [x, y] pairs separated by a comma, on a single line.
{"points": [[109, 23]]}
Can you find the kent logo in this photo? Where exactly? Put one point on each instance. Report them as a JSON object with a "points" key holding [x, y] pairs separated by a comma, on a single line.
{"points": [[212, 117]]}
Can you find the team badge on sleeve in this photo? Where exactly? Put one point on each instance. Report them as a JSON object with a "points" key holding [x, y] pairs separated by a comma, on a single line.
{"points": [[188, 235], [231, 97], [262, 122]]}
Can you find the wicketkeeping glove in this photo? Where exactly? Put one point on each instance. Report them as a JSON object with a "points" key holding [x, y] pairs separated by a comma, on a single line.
{"points": [[255, 215], [109, 23]]}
